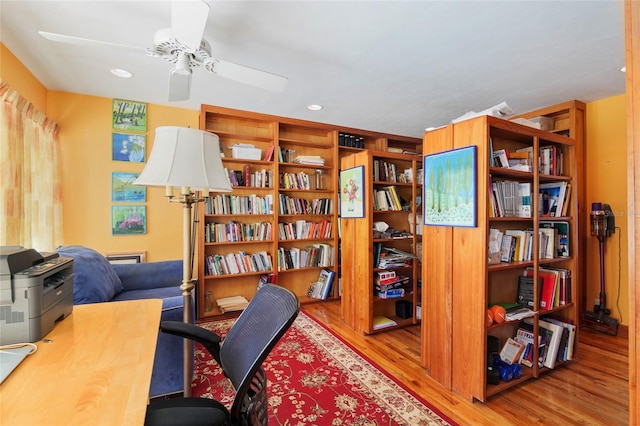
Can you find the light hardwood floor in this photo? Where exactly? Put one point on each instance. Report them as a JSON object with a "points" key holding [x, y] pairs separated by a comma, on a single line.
{"points": [[592, 390]]}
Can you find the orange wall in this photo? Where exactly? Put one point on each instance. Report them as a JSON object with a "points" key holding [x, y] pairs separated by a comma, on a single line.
{"points": [[85, 139], [21, 80], [606, 182]]}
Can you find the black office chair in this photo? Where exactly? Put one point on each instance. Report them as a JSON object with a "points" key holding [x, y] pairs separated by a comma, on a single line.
{"points": [[256, 331]]}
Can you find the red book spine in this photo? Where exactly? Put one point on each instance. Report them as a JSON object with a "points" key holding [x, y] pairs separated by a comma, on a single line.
{"points": [[247, 175]]}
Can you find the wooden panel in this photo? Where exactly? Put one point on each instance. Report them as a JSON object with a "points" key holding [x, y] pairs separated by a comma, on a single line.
{"points": [[632, 37], [436, 280], [469, 263], [348, 240]]}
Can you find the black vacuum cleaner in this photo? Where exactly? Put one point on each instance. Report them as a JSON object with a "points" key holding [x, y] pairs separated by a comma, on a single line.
{"points": [[602, 226]]}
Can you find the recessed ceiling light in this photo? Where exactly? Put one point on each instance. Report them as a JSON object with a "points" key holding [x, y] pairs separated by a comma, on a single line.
{"points": [[119, 72], [623, 69], [314, 107]]}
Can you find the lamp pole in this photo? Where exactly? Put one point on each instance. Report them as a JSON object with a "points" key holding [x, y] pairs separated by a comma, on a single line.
{"points": [[187, 199]]}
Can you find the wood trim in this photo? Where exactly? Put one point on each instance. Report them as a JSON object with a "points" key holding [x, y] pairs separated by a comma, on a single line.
{"points": [[632, 40]]}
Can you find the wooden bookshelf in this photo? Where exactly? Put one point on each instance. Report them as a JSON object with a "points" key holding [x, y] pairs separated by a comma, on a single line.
{"points": [[277, 134], [459, 282], [360, 302]]}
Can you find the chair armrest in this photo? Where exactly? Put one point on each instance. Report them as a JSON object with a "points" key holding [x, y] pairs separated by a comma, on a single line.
{"points": [[148, 275], [208, 339]]}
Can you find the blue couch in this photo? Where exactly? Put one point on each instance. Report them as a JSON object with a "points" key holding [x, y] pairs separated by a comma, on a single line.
{"points": [[97, 281]]}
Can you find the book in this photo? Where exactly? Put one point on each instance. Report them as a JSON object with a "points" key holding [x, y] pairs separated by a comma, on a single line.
{"points": [[525, 291], [548, 249], [315, 290], [505, 248], [561, 245], [511, 351], [551, 354], [268, 154], [551, 198], [380, 322], [500, 158], [326, 277], [548, 286]]}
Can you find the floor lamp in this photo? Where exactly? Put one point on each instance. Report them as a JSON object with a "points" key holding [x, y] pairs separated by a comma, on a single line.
{"points": [[188, 159]]}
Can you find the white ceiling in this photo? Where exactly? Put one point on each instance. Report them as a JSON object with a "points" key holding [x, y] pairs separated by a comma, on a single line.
{"points": [[389, 66]]}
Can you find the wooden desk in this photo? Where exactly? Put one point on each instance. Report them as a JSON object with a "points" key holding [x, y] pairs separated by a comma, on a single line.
{"points": [[94, 368]]}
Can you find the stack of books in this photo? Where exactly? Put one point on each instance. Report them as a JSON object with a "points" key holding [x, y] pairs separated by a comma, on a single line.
{"points": [[309, 159], [233, 303]]}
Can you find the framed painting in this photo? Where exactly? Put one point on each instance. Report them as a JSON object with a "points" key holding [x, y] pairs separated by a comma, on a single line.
{"points": [[129, 115], [352, 192], [128, 220], [128, 147], [126, 258], [450, 188], [123, 189]]}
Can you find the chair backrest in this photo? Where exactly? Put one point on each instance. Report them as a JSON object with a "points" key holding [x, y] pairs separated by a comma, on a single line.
{"points": [[256, 331]]}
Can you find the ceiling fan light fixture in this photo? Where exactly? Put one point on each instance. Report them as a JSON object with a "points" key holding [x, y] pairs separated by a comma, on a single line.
{"points": [[122, 73]]}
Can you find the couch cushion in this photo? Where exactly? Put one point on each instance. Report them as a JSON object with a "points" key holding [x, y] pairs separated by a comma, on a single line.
{"points": [[94, 279]]}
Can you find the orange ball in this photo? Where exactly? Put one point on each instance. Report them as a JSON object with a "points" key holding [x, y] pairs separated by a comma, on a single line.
{"points": [[499, 313], [489, 318]]}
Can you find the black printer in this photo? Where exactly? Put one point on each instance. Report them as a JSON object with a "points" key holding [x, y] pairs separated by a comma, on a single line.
{"points": [[36, 291]]}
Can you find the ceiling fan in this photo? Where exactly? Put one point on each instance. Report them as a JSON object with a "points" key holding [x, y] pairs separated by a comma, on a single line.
{"points": [[183, 45]]}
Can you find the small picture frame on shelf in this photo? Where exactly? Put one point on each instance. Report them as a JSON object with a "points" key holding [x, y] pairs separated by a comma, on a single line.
{"points": [[450, 188], [352, 192]]}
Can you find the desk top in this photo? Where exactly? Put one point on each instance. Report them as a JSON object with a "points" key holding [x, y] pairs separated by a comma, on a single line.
{"points": [[94, 368]]}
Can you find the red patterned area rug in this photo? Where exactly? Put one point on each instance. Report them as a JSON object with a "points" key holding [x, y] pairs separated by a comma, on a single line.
{"points": [[317, 379]]}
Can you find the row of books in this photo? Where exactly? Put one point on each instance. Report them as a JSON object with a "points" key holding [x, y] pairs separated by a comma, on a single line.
{"points": [[303, 229], [554, 286], [319, 254], [321, 288], [550, 160], [237, 263], [352, 141], [296, 205], [258, 179], [387, 198], [516, 245], [554, 199], [238, 204], [556, 340], [299, 180], [555, 343], [385, 171], [509, 198], [521, 159], [236, 232]]}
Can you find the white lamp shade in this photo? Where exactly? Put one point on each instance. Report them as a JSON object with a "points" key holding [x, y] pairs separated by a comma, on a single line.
{"points": [[185, 157]]}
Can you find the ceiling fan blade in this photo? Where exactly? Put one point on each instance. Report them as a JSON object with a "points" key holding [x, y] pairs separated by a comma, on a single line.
{"points": [[84, 41], [179, 85], [188, 20], [247, 75]]}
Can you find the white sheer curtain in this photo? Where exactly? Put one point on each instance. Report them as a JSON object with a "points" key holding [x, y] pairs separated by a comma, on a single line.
{"points": [[30, 192]]}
